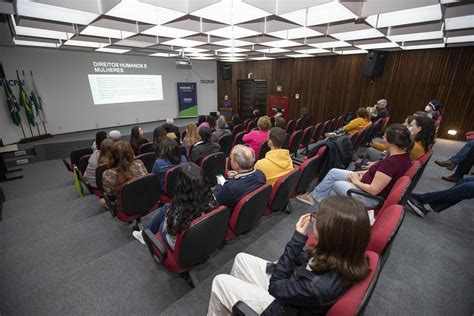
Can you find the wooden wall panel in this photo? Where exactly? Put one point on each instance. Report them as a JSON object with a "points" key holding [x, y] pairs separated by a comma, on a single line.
{"points": [[332, 85]]}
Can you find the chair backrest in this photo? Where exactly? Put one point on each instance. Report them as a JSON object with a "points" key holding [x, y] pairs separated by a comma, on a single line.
{"points": [[340, 121], [246, 123], [411, 172], [299, 124], [204, 235], [99, 171], [249, 210], [309, 170], [326, 127], [145, 148], [282, 190], [385, 229], [423, 162], [295, 141], [226, 143], [354, 301], [140, 195], [252, 124], [385, 123], [148, 160], [317, 132], [333, 125], [76, 154], [425, 158], [290, 127], [396, 194], [213, 164], [262, 151], [171, 179], [238, 139], [361, 138], [307, 135], [354, 138], [237, 129], [82, 163]]}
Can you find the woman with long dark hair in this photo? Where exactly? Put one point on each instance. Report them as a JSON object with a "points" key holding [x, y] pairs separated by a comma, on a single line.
{"points": [[377, 180], [89, 174], [123, 167], [193, 198], [169, 157], [159, 134], [137, 139], [302, 282]]}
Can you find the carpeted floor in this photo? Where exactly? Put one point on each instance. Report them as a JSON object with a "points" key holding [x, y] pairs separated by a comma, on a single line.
{"points": [[63, 255]]}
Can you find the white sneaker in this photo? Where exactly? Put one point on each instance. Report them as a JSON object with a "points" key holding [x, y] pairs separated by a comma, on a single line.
{"points": [[139, 236]]}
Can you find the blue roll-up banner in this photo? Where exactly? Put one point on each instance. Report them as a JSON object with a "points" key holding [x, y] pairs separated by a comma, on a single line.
{"points": [[187, 99]]}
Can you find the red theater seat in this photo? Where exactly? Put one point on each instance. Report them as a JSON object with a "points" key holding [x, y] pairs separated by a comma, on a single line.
{"points": [[282, 190]]}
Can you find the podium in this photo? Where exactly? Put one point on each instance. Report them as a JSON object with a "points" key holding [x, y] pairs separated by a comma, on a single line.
{"points": [[226, 112]]}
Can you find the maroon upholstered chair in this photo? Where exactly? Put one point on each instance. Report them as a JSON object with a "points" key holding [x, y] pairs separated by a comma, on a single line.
{"points": [[281, 192], [226, 143], [75, 156], [148, 160], [309, 171], [146, 148], [248, 211], [213, 165], [290, 127]]}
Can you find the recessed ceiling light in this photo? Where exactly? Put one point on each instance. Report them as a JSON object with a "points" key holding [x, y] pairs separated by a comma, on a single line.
{"points": [[233, 32], [261, 58], [282, 43], [54, 13], [192, 50], [299, 55], [232, 50], [203, 58], [351, 52], [231, 12], [112, 50], [232, 42], [300, 32], [273, 50], [32, 43], [378, 45], [134, 43], [311, 51], [83, 44], [331, 44], [143, 12], [461, 22], [183, 42], [105, 32], [320, 14], [423, 46], [409, 16], [460, 39], [166, 31], [416, 36], [356, 35], [164, 55]]}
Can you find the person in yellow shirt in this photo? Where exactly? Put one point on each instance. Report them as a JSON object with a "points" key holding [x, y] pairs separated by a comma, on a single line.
{"points": [[359, 123], [277, 161]]}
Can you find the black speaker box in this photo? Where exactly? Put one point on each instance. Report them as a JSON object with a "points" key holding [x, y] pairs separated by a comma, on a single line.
{"points": [[227, 72], [374, 63]]}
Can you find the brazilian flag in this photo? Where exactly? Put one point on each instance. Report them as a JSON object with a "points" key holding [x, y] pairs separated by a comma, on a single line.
{"points": [[25, 102], [13, 107]]}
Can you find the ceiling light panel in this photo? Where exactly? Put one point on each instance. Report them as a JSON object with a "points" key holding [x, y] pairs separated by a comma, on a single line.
{"points": [[232, 42], [356, 35], [233, 32], [49, 12], [460, 39], [233, 55], [351, 52], [416, 36], [203, 58], [83, 44], [300, 32], [29, 31], [378, 45], [321, 14], [143, 12], [134, 43], [105, 32], [37, 44], [423, 46], [183, 42], [311, 51], [112, 50], [410, 16], [462, 22], [282, 43], [274, 50], [191, 50], [262, 58], [299, 55], [330, 44], [231, 12], [232, 50], [164, 55], [166, 31]]}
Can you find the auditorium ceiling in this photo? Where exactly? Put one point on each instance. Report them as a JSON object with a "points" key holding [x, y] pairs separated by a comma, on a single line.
{"points": [[235, 30]]}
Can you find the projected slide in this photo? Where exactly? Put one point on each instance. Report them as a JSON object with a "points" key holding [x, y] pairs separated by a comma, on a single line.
{"points": [[108, 89]]}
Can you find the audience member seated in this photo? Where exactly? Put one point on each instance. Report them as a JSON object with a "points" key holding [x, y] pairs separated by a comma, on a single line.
{"points": [[305, 117], [380, 110], [159, 134], [193, 198], [204, 147], [359, 123], [169, 156], [302, 281], [137, 139], [171, 128], [440, 200], [242, 179], [115, 135], [423, 132], [106, 151], [221, 129], [94, 146], [257, 137], [234, 122], [377, 180], [89, 174], [462, 161], [191, 137], [277, 161], [433, 108], [123, 167], [280, 122], [201, 119]]}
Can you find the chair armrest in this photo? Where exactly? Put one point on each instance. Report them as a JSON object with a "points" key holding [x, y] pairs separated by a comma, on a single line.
{"points": [[297, 161], [380, 200], [153, 242], [67, 164], [111, 204], [242, 309]]}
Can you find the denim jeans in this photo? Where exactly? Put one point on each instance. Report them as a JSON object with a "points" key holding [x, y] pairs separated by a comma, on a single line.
{"points": [[463, 153], [465, 165], [156, 225], [440, 200], [336, 183]]}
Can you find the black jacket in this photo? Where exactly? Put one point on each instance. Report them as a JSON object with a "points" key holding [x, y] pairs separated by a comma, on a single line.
{"points": [[298, 290], [201, 149]]}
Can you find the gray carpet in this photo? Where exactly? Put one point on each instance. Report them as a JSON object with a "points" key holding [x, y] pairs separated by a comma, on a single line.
{"points": [[62, 255]]}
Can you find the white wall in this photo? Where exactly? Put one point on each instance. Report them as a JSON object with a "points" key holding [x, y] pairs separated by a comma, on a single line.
{"points": [[61, 79]]}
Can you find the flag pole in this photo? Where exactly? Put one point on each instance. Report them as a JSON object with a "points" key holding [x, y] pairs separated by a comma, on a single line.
{"points": [[23, 130], [40, 102], [37, 114]]}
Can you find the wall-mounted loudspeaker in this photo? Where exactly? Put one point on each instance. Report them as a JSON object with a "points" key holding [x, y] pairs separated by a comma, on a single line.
{"points": [[374, 63], [227, 72]]}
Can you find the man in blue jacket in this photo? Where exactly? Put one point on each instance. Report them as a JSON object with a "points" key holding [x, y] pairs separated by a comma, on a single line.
{"points": [[243, 179]]}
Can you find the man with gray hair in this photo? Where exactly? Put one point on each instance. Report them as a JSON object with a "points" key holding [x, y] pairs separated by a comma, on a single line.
{"points": [[381, 110], [221, 129], [243, 179]]}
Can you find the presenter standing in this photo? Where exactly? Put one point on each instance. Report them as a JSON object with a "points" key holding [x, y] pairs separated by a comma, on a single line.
{"points": [[226, 108]]}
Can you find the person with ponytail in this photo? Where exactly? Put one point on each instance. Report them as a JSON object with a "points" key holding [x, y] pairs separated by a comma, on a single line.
{"points": [[377, 180], [193, 198], [123, 167], [302, 281]]}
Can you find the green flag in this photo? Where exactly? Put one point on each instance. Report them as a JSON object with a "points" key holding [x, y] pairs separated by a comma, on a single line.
{"points": [[25, 102], [13, 107], [37, 100]]}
